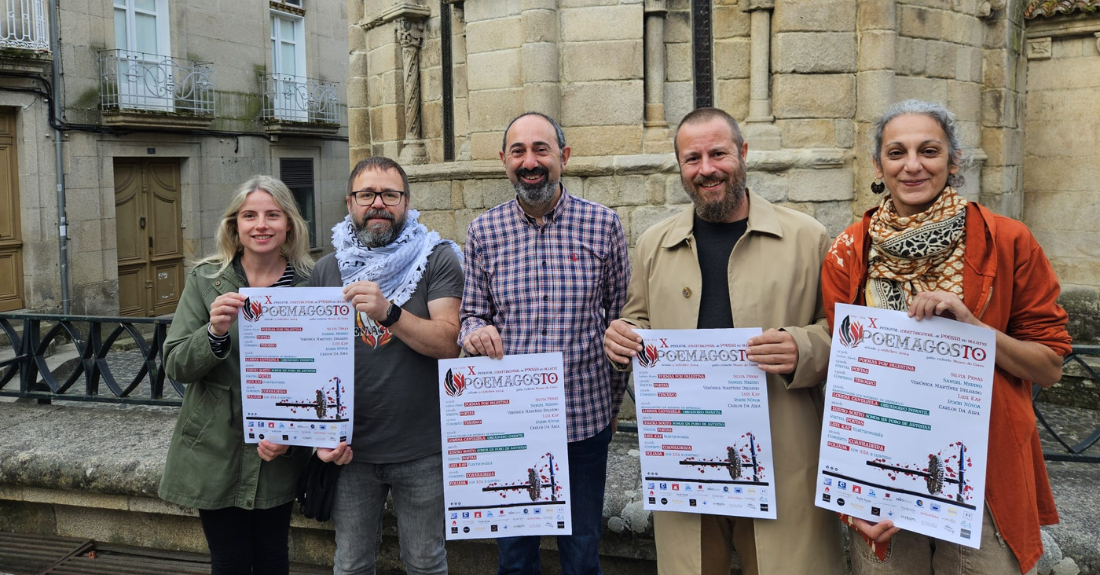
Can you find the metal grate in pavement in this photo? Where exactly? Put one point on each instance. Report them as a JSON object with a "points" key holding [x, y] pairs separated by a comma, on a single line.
{"points": [[22, 554]]}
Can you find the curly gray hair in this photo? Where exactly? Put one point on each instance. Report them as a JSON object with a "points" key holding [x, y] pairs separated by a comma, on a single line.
{"points": [[956, 155]]}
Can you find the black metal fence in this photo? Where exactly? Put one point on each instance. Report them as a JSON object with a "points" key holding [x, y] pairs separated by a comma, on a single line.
{"points": [[1076, 451], [25, 372]]}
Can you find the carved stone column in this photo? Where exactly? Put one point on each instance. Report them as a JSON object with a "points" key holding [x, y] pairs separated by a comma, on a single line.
{"points": [[759, 128], [408, 19], [656, 139]]}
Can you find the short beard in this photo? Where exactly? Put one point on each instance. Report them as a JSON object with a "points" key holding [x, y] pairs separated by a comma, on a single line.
{"points": [[376, 238], [539, 195], [721, 209]]}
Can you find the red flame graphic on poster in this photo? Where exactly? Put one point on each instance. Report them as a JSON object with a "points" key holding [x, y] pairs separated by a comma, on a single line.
{"points": [[454, 383], [648, 357], [851, 332], [252, 310]]}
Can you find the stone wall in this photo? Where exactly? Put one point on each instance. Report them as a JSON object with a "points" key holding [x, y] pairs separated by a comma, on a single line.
{"points": [[1062, 199]]}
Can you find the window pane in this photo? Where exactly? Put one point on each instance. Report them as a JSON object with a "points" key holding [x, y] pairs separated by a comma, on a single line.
{"points": [[287, 61], [120, 3], [122, 41], [145, 28], [149, 5], [286, 30]]}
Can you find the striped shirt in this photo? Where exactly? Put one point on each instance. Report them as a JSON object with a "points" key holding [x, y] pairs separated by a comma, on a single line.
{"points": [[219, 344], [553, 287]]}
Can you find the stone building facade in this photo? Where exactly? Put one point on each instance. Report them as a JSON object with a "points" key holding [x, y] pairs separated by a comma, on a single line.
{"points": [[434, 82], [166, 107]]}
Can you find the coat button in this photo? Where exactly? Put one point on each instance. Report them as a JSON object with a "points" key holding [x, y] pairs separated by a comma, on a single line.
{"points": [[248, 504], [687, 292], [218, 283]]}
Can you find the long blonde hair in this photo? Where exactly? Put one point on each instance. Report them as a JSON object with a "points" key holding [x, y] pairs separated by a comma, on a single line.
{"points": [[227, 242]]}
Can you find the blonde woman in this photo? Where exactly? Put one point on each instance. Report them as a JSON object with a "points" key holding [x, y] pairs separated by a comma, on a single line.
{"points": [[244, 496]]}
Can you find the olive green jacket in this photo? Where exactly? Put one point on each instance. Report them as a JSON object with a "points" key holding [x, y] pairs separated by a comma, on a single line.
{"points": [[209, 465]]}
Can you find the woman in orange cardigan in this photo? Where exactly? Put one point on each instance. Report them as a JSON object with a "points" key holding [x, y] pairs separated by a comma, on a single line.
{"points": [[927, 250]]}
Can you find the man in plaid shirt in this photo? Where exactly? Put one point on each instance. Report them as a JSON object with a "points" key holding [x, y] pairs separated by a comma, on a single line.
{"points": [[546, 272]]}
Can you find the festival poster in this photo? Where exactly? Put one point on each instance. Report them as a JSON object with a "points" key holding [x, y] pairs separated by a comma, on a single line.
{"points": [[704, 431], [297, 365], [505, 458], [906, 427]]}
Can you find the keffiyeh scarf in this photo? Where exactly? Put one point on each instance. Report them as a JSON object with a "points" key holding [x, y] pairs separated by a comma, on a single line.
{"points": [[396, 267], [922, 252]]}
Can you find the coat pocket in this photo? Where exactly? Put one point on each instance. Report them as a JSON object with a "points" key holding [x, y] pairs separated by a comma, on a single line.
{"points": [[214, 399]]}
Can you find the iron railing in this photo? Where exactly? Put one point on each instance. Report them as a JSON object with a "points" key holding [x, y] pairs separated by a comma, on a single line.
{"points": [[1072, 452], [299, 99], [92, 338], [23, 25], [138, 81]]}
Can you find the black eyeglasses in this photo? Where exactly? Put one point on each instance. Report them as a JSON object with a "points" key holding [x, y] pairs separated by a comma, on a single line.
{"points": [[389, 197]]}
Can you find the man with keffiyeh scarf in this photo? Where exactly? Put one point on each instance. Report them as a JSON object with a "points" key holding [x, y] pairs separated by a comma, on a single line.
{"points": [[405, 282]]}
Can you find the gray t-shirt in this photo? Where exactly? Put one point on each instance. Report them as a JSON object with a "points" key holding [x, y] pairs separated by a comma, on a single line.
{"points": [[396, 398]]}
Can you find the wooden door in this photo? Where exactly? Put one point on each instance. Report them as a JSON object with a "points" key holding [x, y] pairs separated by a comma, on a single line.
{"points": [[11, 247], [150, 239]]}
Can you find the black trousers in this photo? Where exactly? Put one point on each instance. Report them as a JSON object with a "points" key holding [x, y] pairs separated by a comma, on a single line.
{"points": [[248, 542]]}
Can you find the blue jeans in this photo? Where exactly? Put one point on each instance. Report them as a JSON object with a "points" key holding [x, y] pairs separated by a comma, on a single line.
{"points": [[417, 488], [579, 552]]}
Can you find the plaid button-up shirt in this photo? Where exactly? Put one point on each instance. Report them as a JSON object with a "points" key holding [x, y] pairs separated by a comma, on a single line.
{"points": [[553, 287]]}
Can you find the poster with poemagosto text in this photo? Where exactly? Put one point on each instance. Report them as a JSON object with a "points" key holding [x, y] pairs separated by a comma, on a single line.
{"points": [[297, 365], [505, 458], [704, 431], [906, 428]]}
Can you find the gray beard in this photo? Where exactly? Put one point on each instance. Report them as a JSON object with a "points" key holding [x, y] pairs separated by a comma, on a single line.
{"points": [[722, 209], [377, 239], [536, 196]]}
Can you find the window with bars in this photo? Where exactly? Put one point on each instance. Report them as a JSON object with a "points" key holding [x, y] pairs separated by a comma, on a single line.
{"points": [[297, 174]]}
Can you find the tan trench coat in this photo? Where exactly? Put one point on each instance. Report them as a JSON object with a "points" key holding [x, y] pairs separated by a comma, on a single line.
{"points": [[774, 282]]}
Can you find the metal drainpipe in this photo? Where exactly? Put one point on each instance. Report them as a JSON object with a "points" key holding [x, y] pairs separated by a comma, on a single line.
{"points": [[59, 158]]}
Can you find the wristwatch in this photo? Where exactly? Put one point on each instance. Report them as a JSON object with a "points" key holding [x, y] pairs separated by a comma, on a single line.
{"points": [[392, 315]]}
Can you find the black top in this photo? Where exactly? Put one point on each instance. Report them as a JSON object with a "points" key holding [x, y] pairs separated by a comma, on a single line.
{"points": [[714, 244]]}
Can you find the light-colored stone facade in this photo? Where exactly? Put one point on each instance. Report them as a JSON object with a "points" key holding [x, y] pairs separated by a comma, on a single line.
{"points": [[215, 155], [1061, 181]]}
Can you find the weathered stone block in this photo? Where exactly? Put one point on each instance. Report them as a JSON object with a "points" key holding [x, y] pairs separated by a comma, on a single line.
{"points": [[814, 95], [645, 217], [878, 50], [730, 22], [678, 27], [835, 216], [495, 70], [443, 222], [490, 9], [493, 109], [616, 191], [674, 191], [940, 62], [965, 100], [814, 16], [819, 52], [432, 195], [540, 63], [540, 26], [604, 140], [807, 133], [655, 189], [678, 62], [622, 22], [906, 87], [493, 35], [876, 90], [484, 194], [614, 60], [731, 58], [877, 15], [772, 187], [602, 103], [733, 97], [920, 22], [820, 185]]}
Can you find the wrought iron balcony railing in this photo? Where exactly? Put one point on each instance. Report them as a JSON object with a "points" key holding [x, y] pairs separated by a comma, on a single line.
{"points": [[23, 25], [299, 99], [138, 81], [116, 351]]}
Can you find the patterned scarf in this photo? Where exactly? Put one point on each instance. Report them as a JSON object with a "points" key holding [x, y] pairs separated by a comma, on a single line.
{"points": [[396, 267], [922, 252]]}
